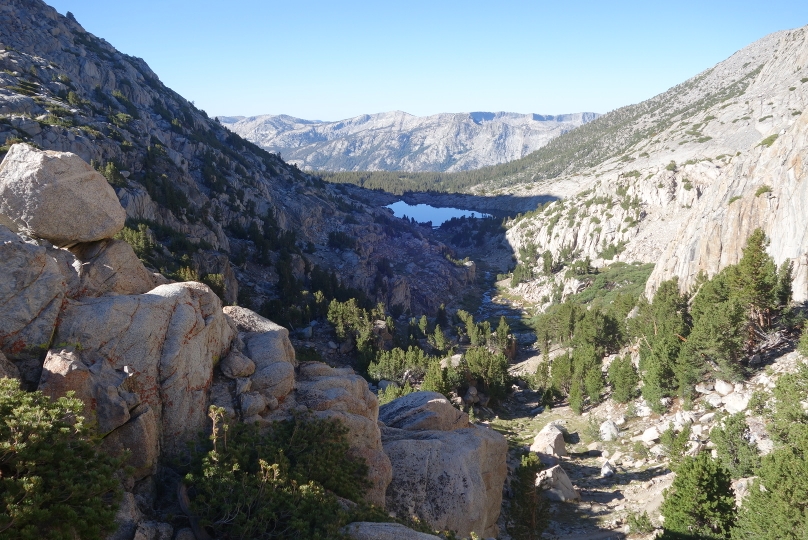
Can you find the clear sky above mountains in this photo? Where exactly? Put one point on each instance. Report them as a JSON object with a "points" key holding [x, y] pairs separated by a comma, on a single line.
{"points": [[329, 60]]}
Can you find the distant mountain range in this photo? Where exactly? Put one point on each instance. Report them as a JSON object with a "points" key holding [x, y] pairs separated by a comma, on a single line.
{"points": [[397, 141]]}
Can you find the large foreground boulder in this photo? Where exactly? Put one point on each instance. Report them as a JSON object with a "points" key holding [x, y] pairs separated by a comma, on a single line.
{"points": [[168, 340], [423, 410], [449, 479], [56, 196]]}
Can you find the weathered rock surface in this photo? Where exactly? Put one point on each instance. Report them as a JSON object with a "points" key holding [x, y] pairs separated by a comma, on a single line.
{"points": [[31, 293], [423, 411], [169, 337], [557, 485], [111, 266], [7, 369], [724, 388], [276, 379], [450, 479], [153, 530], [140, 438], [56, 196], [609, 431], [237, 365], [93, 381], [365, 530], [716, 237], [266, 342]]}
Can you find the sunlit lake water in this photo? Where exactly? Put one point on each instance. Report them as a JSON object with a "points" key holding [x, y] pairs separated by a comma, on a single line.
{"points": [[425, 212]]}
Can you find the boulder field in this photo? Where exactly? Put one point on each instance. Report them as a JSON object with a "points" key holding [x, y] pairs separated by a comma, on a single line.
{"points": [[79, 312]]}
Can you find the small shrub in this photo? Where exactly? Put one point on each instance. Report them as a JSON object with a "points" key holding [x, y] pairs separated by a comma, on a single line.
{"points": [[675, 444], [639, 523], [394, 392], [279, 484], [491, 369], [768, 141], [733, 199], [340, 240], [763, 189], [54, 482], [215, 282], [671, 166], [732, 445]]}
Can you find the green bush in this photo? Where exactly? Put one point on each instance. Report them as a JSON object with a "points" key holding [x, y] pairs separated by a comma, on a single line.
{"points": [[640, 523], [735, 452], [391, 365], [489, 368], [443, 380], [675, 444], [700, 502], [394, 392], [763, 189], [54, 482], [775, 508], [768, 141], [623, 378], [279, 484]]}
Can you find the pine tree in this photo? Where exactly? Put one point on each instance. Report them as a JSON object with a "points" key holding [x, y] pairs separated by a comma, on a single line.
{"points": [[503, 332], [700, 502], [776, 507], [661, 328], [735, 452], [422, 325], [785, 275], [756, 280], [529, 512], [623, 378]]}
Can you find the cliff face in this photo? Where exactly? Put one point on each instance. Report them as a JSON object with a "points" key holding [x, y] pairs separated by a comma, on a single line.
{"points": [[766, 190], [397, 141], [182, 174], [666, 199]]}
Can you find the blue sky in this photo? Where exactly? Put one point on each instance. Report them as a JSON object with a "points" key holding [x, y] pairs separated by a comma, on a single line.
{"points": [[331, 60]]}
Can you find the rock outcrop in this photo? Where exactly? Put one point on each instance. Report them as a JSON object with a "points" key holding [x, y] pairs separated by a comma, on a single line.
{"points": [[170, 338], [766, 190], [341, 394], [549, 443], [451, 478]]}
